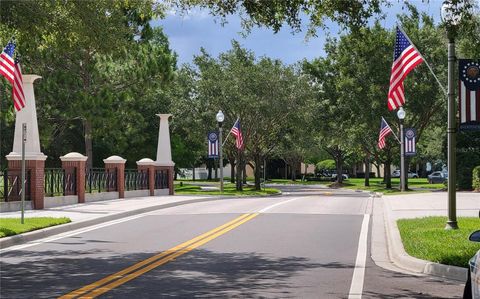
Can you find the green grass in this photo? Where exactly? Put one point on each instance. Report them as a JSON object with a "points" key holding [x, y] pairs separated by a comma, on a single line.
{"points": [[377, 185], [228, 189], [426, 238], [12, 226]]}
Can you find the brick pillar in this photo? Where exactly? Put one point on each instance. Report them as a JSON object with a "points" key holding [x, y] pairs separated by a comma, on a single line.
{"points": [[147, 164], [37, 172], [118, 163], [77, 161], [170, 174]]}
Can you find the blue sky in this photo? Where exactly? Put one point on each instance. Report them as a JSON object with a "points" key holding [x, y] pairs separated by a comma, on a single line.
{"points": [[199, 29]]}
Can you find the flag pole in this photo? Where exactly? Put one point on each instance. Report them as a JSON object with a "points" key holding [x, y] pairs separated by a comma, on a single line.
{"points": [[426, 63], [392, 130], [229, 133]]}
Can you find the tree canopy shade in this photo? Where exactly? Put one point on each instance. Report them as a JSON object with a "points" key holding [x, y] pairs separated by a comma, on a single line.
{"points": [[275, 13]]}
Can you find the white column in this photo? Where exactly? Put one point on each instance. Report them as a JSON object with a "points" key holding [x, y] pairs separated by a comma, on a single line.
{"points": [[164, 151], [27, 115]]}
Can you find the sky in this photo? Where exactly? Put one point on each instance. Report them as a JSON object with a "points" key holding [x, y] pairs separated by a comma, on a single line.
{"points": [[188, 33]]}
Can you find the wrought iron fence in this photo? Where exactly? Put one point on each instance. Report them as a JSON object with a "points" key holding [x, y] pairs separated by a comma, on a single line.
{"points": [[60, 181], [11, 185], [100, 180], [161, 179], [136, 180]]}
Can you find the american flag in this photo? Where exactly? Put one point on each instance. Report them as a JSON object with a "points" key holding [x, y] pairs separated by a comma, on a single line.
{"points": [[237, 132], [384, 131], [469, 94], [405, 58], [17, 90], [7, 65]]}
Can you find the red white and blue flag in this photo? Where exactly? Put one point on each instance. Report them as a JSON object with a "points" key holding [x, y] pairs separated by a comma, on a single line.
{"points": [[17, 90], [213, 144], [385, 130], [7, 64], [405, 58], [237, 132], [469, 94], [410, 140]]}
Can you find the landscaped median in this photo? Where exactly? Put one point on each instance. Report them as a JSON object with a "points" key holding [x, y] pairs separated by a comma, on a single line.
{"points": [[13, 226], [377, 185], [426, 239], [229, 190]]}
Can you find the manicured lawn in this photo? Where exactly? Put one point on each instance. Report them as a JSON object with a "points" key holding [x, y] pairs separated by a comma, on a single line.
{"points": [[377, 185], [12, 226], [228, 189], [426, 238]]}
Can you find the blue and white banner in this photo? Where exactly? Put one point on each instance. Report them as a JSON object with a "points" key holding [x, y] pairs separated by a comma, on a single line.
{"points": [[410, 142], [213, 144]]}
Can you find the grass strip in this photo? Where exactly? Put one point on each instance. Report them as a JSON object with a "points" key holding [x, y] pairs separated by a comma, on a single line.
{"points": [[227, 190], [12, 226], [427, 239]]}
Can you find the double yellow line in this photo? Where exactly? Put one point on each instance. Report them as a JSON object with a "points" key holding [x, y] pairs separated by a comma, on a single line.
{"points": [[112, 281]]}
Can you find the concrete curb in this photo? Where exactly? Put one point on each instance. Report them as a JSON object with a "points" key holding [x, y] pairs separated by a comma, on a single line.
{"points": [[400, 258]]}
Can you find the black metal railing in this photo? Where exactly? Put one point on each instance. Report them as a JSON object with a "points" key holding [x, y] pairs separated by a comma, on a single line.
{"points": [[100, 180], [11, 185], [60, 181], [136, 180], [161, 179]]}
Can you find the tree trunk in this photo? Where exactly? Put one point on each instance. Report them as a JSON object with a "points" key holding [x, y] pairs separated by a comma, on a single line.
{"points": [[193, 173], [407, 167], [257, 173], [387, 175], [286, 169], [232, 171], [239, 172], [244, 172], [367, 171], [339, 162], [88, 143], [378, 170], [216, 169], [209, 168]]}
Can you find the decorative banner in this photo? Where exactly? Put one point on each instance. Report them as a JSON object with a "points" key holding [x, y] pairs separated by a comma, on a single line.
{"points": [[410, 135], [469, 94], [213, 144]]}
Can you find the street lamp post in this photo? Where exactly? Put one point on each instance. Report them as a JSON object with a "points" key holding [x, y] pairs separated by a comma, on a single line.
{"points": [[220, 117], [451, 18], [403, 177]]}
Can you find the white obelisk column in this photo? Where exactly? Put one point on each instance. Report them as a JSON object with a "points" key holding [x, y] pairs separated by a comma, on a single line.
{"points": [[34, 158], [164, 164]]}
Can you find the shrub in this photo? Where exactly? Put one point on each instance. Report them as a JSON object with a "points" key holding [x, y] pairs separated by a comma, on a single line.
{"points": [[326, 165], [476, 179]]}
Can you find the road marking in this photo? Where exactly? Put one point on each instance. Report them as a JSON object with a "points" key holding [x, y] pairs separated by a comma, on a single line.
{"points": [[72, 233], [135, 270], [356, 288], [110, 282]]}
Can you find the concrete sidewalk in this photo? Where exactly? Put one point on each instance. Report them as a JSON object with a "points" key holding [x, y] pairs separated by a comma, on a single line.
{"points": [[394, 207]]}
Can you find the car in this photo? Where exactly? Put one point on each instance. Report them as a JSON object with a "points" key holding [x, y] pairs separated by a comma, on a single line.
{"points": [[344, 176], [413, 175], [472, 287], [437, 177], [396, 174]]}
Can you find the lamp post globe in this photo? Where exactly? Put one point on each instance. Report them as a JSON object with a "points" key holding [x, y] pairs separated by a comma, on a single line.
{"points": [[401, 113], [403, 175], [220, 118]]}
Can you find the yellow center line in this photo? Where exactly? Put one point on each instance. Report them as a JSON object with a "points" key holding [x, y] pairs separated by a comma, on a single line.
{"points": [[133, 275], [163, 255]]}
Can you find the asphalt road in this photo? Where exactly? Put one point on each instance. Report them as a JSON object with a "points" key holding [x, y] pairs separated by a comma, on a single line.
{"points": [[305, 244]]}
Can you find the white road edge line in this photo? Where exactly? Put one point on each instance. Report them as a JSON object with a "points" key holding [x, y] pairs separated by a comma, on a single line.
{"points": [[356, 288], [275, 205], [71, 233]]}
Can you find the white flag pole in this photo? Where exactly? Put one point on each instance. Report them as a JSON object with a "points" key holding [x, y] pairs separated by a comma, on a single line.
{"points": [[426, 63]]}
